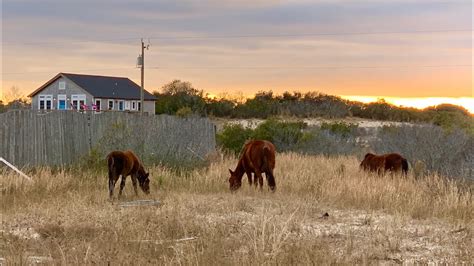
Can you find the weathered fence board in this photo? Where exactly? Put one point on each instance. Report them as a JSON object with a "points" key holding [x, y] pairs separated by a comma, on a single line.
{"points": [[29, 138]]}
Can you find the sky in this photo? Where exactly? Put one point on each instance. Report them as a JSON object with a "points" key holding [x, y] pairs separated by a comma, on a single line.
{"points": [[383, 48]]}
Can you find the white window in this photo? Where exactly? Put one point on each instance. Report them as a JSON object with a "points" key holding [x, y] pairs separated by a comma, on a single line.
{"points": [[139, 106], [78, 102], [110, 105], [62, 85], [127, 105], [45, 102], [134, 105], [62, 105]]}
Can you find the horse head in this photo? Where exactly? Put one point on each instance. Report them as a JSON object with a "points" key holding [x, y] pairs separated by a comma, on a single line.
{"points": [[365, 162], [234, 181], [144, 181]]}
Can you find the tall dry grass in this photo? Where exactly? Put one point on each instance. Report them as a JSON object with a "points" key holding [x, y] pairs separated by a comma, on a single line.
{"points": [[66, 217]]}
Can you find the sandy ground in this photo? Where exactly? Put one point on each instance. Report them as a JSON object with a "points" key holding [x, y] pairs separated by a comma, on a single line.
{"points": [[353, 234], [362, 123]]}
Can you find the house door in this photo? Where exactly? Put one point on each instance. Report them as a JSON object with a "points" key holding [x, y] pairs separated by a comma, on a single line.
{"points": [[97, 105], [61, 102], [78, 101]]}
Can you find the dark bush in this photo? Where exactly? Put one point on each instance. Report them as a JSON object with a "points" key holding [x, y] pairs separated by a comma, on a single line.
{"points": [[233, 137], [220, 108], [177, 95], [285, 135]]}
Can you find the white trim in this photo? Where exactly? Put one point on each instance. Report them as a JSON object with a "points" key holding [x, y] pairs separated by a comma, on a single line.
{"points": [[46, 98], [123, 105], [62, 97], [63, 83], [127, 105], [78, 98], [134, 106]]}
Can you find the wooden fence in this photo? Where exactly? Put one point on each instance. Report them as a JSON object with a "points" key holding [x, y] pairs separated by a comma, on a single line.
{"points": [[30, 138]]}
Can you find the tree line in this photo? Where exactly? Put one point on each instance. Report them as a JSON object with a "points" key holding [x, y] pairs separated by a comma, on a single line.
{"points": [[182, 99]]}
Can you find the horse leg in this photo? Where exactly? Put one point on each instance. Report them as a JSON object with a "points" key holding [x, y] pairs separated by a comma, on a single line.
{"points": [[270, 180], [134, 182], [122, 184], [249, 176], [111, 187], [258, 175], [112, 180]]}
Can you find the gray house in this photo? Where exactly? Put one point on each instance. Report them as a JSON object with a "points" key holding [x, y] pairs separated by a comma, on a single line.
{"points": [[88, 92]]}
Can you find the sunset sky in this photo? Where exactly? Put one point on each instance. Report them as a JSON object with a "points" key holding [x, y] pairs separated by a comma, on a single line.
{"points": [[384, 48]]}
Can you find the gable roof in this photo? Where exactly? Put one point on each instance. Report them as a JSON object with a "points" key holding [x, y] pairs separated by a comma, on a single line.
{"points": [[103, 86]]}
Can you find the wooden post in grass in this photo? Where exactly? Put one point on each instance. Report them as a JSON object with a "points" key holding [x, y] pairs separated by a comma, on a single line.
{"points": [[15, 169]]}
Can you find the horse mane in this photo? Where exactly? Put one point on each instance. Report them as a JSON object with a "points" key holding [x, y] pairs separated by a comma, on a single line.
{"points": [[244, 147], [369, 154]]}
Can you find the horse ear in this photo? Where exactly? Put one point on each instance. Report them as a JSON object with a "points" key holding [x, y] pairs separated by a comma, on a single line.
{"points": [[147, 174], [230, 171]]}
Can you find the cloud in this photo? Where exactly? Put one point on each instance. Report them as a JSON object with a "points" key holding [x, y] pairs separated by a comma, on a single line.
{"points": [[55, 36]]}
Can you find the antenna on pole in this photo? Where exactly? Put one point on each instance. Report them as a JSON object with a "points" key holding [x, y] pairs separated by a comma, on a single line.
{"points": [[141, 63]]}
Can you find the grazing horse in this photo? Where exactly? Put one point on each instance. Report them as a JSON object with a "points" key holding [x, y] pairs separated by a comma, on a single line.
{"points": [[126, 163], [392, 162], [257, 156]]}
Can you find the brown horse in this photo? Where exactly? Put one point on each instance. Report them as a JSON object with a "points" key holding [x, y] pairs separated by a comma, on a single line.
{"points": [[392, 162], [258, 157], [126, 163]]}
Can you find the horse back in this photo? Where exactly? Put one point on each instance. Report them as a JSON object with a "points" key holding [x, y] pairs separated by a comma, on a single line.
{"points": [[394, 161], [123, 162], [373, 162], [259, 155]]}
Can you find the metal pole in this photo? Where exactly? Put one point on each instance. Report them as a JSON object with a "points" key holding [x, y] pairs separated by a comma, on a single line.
{"points": [[143, 78]]}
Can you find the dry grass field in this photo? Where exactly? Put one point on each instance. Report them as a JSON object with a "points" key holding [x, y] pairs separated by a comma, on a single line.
{"points": [[67, 218]]}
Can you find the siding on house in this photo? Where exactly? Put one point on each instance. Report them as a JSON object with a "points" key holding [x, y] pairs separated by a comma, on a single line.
{"points": [[104, 105], [53, 89], [149, 107]]}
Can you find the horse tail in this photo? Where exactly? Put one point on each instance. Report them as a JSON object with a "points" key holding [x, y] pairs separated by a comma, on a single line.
{"points": [[405, 166], [267, 155], [269, 162], [110, 165]]}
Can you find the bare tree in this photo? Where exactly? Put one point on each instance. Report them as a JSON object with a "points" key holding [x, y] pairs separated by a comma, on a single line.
{"points": [[14, 93]]}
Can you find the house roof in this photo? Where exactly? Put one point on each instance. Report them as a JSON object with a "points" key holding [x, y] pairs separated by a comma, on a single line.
{"points": [[103, 86]]}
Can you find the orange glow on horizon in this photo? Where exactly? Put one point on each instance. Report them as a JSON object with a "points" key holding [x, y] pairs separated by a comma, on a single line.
{"points": [[416, 102]]}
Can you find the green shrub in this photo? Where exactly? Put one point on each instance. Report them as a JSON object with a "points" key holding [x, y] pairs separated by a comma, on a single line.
{"points": [[285, 135], [233, 137], [184, 112], [339, 128]]}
